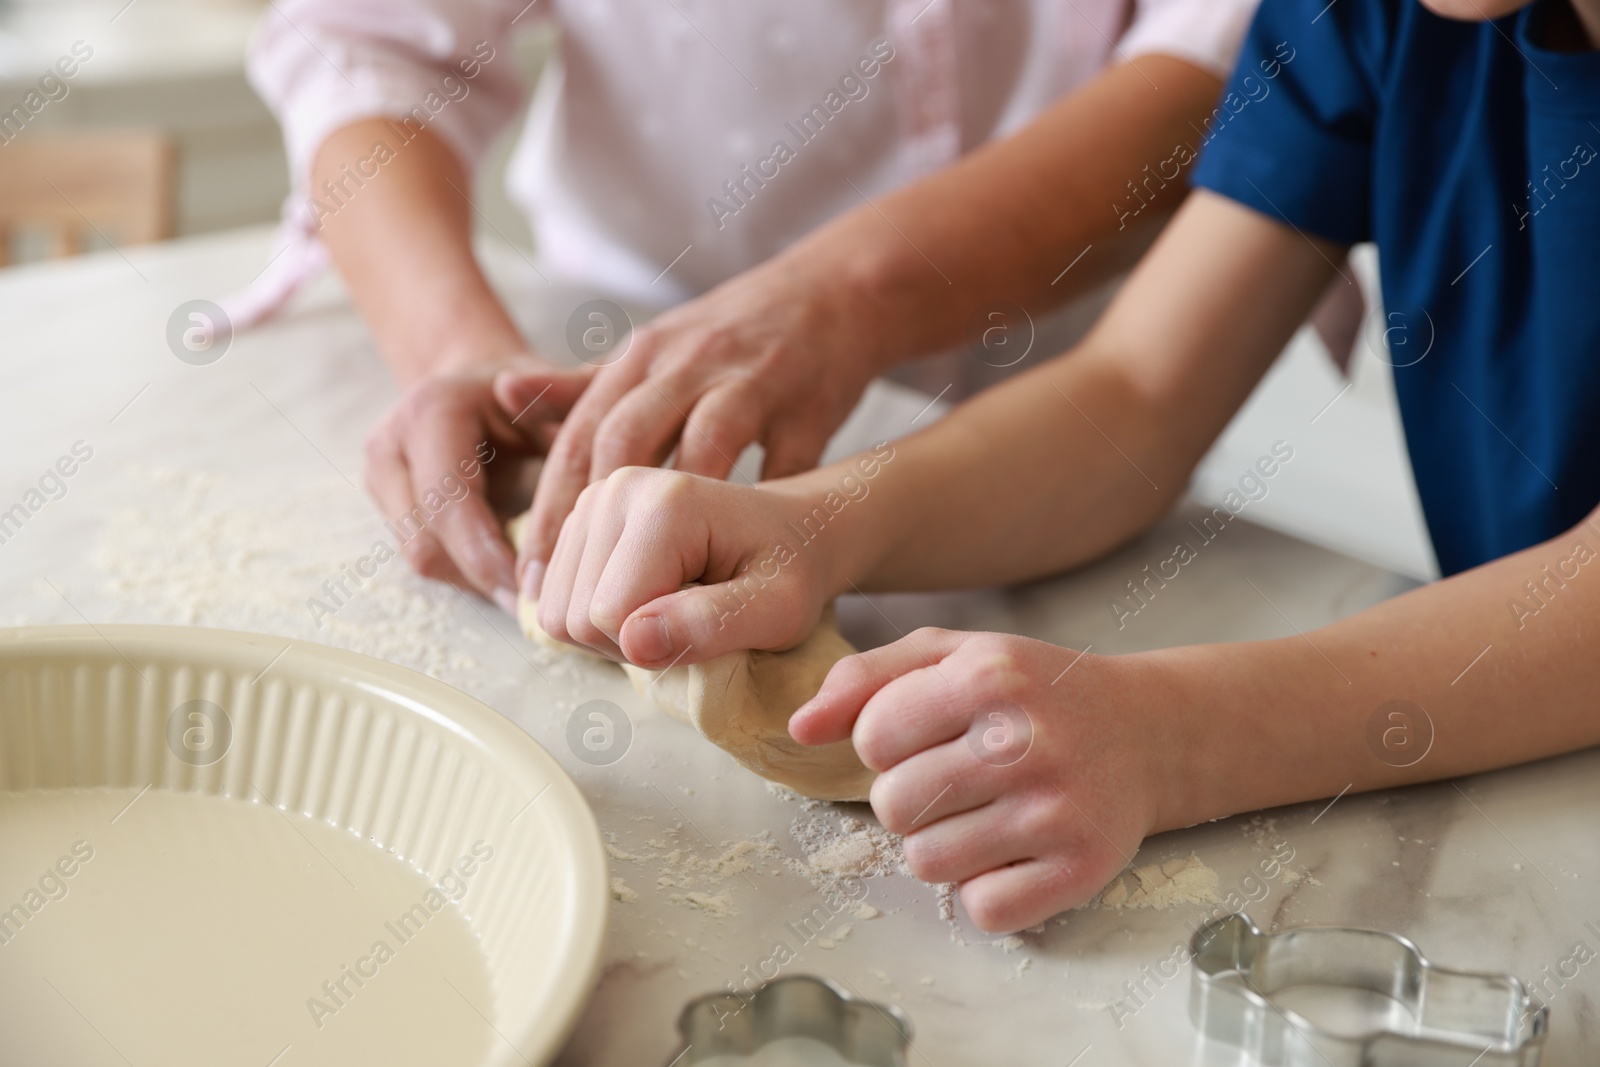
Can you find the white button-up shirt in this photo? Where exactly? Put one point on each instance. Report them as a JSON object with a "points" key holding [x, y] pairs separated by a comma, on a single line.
{"points": [[697, 135]]}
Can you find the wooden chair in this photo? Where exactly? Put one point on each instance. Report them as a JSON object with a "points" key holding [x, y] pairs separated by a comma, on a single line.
{"points": [[73, 188]]}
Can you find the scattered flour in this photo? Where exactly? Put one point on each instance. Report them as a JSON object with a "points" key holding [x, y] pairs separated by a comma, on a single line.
{"points": [[199, 550], [1260, 829], [685, 868], [839, 934], [789, 796], [1096, 999], [1291, 877], [741, 856], [1304, 876], [620, 892], [947, 910], [679, 867], [1264, 832], [1162, 886], [846, 846], [617, 853], [847, 855], [717, 905], [838, 849]]}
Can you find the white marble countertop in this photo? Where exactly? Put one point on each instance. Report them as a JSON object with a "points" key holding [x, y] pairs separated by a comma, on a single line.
{"points": [[223, 495]]}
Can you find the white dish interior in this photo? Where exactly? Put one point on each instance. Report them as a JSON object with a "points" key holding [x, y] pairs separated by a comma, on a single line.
{"points": [[404, 765]]}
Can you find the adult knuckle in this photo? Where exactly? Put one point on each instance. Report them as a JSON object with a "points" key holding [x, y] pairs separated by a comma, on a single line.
{"points": [[718, 340], [412, 552], [792, 452], [648, 340], [428, 560], [675, 372], [563, 462], [618, 445], [794, 600], [725, 435], [417, 401]]}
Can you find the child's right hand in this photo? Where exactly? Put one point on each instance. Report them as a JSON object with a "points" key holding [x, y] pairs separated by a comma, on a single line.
{"points": [[616, 580]]}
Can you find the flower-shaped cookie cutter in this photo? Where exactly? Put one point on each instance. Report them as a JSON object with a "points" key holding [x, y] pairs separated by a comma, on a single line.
{"points": [[721, 1024], [1455, 1015]]}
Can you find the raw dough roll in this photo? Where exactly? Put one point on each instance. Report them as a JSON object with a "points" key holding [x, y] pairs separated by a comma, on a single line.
{"points": [[742, 702]]}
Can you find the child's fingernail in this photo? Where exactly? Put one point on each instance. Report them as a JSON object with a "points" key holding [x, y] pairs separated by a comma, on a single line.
{"points": [[532, 579], [650, 639], [507, 599]]}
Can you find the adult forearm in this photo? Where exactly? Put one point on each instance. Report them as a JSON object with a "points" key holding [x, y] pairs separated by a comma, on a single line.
{"points": [[1479, 671], [1004, 223], [402, 239]]}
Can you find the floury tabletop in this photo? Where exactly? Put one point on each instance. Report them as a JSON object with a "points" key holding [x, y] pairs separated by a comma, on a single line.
{"points": [[182, 516]]}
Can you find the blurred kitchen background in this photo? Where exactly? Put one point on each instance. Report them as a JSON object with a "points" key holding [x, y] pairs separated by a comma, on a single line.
{"points": [[166, 73], [158, 135]]}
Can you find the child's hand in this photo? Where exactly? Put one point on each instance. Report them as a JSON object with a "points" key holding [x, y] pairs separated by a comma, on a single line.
{"points": [[1013, 767], [615, 582]]}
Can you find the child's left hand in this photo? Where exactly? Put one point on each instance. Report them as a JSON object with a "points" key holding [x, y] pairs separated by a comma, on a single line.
{"points": [[1023, 771]]}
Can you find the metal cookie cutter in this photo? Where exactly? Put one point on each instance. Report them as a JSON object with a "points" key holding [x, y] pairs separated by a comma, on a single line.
{"points": [[1455, 1015], [721, 1024]]}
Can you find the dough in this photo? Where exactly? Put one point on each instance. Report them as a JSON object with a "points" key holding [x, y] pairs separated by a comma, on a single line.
{"points": [[742, 702]]}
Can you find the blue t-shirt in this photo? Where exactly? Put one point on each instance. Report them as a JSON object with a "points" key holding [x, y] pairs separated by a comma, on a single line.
{"points": [[1468, 152]]}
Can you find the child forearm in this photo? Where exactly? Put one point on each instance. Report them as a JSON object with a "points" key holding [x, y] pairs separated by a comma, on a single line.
{"points": [[1042, 473], [1479, 671]]}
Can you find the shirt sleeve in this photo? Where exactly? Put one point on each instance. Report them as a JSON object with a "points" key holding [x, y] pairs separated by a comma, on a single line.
{"points": [[1292, 135], [448, 65], [1207, 33]]}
